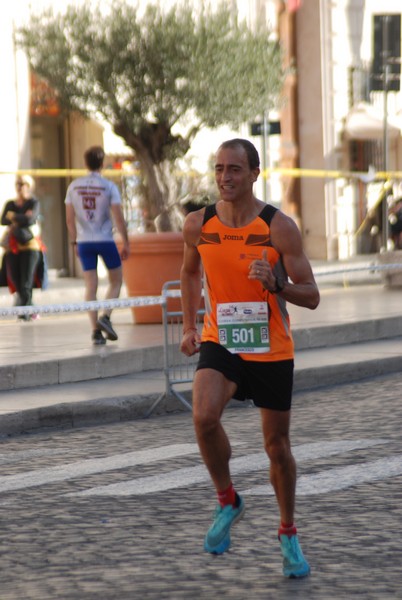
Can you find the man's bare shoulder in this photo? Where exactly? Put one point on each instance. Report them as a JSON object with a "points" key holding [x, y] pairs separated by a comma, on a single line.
{"points": [[284, 231], [192, 226], [283, 223]]}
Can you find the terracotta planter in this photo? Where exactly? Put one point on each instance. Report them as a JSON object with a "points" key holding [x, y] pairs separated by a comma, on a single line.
{"points": [[154, 259]]}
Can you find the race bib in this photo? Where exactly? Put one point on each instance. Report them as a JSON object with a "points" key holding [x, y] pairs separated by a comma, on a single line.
{"points": [[243, 327]]}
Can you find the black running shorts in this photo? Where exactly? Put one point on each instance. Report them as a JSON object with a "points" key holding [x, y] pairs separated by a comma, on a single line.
{"points": [[268, 384]]}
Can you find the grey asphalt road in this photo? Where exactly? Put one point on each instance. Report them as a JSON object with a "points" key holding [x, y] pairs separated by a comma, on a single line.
{"points": [[119, 512]]}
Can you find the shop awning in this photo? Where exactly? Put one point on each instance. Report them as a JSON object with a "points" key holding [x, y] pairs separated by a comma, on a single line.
{"points": [[365, 122]]}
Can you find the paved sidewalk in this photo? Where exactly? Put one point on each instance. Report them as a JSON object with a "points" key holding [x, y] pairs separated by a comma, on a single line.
{"points": [[68, 335], [354, 333]]}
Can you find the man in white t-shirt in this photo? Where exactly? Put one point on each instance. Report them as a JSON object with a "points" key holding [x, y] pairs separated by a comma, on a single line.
{"points": [[91, 204]]}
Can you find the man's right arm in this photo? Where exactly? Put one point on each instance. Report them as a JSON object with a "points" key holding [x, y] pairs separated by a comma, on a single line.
{"points": [[191, 283], [70, 221]]}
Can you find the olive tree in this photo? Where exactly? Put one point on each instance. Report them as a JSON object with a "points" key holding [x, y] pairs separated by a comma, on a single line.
{"points": [[157, 76]]}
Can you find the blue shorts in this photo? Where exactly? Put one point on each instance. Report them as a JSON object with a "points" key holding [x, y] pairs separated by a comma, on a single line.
{"points": [[268, 384], [89, 252]]}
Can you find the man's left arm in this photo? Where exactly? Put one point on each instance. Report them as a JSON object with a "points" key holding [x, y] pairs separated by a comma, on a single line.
{"points": [[120, 223], [302, 290]]}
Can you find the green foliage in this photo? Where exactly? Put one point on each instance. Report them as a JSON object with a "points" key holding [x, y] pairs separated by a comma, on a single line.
{"points": [[146, 72]]}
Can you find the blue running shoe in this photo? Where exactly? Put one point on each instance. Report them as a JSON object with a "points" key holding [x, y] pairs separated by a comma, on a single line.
{"points": [[217, 540], [294, 563]]}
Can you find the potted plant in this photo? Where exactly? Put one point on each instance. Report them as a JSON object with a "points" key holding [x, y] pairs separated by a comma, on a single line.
{"points": [[156, 257]]}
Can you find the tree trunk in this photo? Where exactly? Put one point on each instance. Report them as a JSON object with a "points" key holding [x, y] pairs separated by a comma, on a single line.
{"points": [[156, 202]]}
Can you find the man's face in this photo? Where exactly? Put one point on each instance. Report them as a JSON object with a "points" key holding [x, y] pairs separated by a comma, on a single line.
{"points": [[233, 175]]}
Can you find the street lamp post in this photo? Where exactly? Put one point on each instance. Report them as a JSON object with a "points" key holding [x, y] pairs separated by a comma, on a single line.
{"points": [[385, 27], [265, 157], [385, 229]]}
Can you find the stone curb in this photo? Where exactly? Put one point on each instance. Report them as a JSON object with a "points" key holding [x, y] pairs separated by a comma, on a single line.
{"points": [[102, 411], [127, 361]]}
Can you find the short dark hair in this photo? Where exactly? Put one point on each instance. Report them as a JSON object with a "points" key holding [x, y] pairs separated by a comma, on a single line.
{"points": [[94, 157], [248, 147]]}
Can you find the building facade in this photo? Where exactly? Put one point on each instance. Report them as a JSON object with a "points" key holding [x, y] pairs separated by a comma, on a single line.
{"points": [[342, 118], [334, 117]]}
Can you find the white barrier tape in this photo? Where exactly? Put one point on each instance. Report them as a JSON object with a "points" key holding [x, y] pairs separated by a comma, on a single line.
{"points": [[154, 300], [340, 271], [172, 293], [82, 306]]}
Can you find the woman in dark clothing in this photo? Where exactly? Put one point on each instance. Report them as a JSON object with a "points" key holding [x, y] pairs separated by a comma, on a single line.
{"points": [[23, 249]]}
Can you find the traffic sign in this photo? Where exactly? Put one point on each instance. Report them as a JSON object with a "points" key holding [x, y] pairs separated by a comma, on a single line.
{"points": [[271, 128]]}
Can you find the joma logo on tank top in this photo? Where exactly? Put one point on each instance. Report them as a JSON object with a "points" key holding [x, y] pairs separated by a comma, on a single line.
{"points": [[233, 237]]}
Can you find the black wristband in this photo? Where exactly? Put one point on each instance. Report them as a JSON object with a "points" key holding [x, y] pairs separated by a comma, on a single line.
{"points": [[279, 285]]}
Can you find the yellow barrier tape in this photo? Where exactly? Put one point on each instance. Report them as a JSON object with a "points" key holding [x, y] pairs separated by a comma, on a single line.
{"points": [[296, 172], [67, 172], [328, 174]]}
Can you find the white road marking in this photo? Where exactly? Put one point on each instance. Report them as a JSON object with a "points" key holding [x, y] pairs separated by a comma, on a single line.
{"points": [[94, 465], [13, 457], [192, 475], [322, 482], [339, 478]]}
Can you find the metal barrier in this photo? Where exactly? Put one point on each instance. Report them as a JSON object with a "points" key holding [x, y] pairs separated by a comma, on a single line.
{"points": [[178, 368]]}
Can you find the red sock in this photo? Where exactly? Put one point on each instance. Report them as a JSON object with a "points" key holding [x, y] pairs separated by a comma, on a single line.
{"points": [[288, 529], [227, 496]]}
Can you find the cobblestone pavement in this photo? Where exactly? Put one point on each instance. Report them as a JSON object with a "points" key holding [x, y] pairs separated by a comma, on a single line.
{"points": [[120, 544]]}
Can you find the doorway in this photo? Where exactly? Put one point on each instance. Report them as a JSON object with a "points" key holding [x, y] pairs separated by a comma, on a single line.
{"points": [[47, 152]]}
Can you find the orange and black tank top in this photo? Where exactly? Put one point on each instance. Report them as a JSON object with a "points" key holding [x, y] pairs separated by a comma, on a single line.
{"points": [[238, 308]]}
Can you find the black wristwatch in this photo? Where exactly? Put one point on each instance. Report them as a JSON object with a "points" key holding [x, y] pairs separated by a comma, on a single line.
{"points": [[279, 285]]}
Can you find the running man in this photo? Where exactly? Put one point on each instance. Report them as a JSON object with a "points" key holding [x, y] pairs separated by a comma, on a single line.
{"points": [[252, 260]]}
